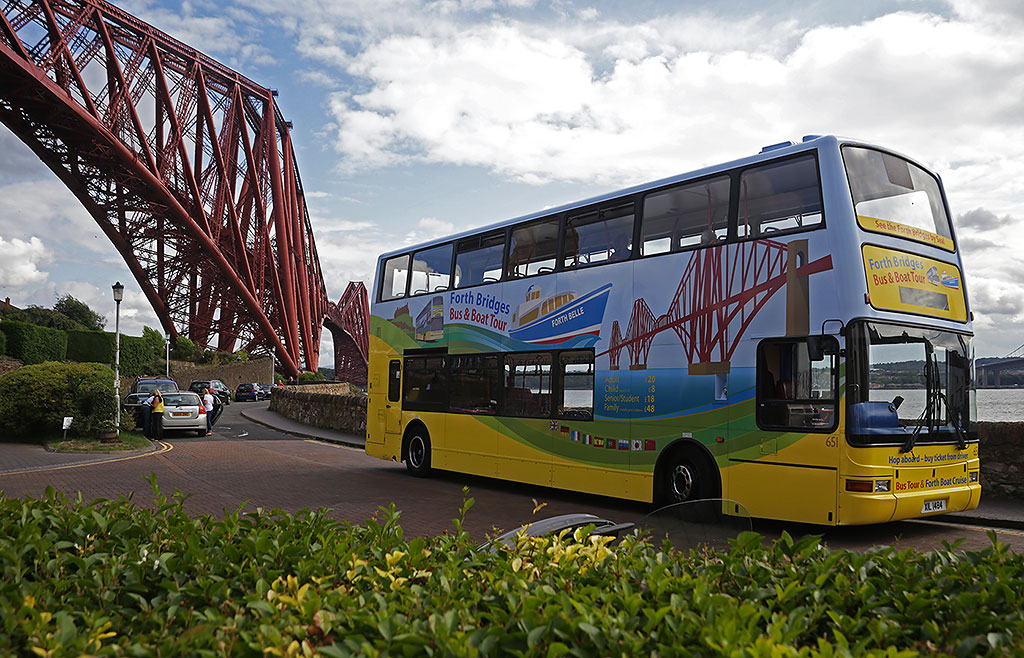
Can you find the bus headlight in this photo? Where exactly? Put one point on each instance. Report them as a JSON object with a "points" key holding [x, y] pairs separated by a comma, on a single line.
{"points": [[882, 486]]}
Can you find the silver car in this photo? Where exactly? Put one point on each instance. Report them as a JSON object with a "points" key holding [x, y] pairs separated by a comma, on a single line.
{"points": [[184, 411]]}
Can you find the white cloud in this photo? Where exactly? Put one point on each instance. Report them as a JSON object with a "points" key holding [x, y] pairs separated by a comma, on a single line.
{"points": [[630, 102], [46, 207], [20, 261]]}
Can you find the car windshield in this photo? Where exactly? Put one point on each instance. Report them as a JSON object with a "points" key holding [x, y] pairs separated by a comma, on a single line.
{"points": [[181, 400], [164, 387], [245, 387]]}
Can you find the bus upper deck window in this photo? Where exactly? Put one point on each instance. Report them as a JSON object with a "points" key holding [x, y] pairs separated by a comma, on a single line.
{"points": [[478, 259], [780, 196], [533, 248], [688, 215], [394, 278], [601, 236], [431, 270]]}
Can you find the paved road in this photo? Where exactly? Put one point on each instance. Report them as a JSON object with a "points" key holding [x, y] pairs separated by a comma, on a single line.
{"points": [[247, 463]]}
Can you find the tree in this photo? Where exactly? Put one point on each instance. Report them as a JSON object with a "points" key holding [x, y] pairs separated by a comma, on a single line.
{"points": [[155, 340], [79, 312], [45, 317]]}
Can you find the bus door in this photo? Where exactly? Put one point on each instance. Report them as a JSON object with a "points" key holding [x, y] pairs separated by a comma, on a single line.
{"points": [[393, 406], [784, 460]]}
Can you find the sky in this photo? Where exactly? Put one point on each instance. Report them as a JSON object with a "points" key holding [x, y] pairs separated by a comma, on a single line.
{"points": [[417, 119]]}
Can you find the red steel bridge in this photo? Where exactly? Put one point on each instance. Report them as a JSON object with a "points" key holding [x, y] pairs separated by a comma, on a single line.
{"points": [[720, 285], [186, 165]]}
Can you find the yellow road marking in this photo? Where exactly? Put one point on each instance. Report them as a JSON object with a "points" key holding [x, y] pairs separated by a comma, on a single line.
{"points": [[164, 447]]}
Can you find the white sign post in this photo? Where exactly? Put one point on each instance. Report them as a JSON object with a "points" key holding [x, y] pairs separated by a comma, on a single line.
{"points": [[67, 424]]}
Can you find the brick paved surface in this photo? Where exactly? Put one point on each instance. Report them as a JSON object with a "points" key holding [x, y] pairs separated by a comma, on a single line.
{"points": [[244, 462]]}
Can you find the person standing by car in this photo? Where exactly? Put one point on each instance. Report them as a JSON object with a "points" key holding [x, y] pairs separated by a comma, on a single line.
{"points": [[218, 409], [147, 414], [157, 419], [208, 403]]}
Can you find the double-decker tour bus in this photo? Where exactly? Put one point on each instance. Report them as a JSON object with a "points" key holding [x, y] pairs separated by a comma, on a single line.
{"points": [[789, 331]]}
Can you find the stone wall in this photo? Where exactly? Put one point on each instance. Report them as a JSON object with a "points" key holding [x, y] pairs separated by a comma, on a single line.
{"points": [[331, 406], [1001, 473], [259, 371]]}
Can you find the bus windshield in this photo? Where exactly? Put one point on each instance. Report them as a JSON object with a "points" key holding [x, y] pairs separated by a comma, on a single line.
{"points": [[892, 195], [922, 377]]}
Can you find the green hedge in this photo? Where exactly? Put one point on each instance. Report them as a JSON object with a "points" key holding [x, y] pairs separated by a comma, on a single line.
{"points": [[108, 578], [3, 343], [34, 399], [34, 344], [99, 347], [91, 346]]}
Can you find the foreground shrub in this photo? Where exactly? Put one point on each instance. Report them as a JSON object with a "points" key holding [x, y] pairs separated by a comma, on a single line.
{"points": [[109, 578], [34, 399]]}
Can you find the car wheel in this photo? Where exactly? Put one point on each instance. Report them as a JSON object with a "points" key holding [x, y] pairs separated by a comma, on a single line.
{"points": [[685, 477], [200, 432], [417, 458]]}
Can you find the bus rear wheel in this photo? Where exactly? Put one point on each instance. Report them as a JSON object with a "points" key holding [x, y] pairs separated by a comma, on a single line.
{"points": [[685, 477], [417, 454]]}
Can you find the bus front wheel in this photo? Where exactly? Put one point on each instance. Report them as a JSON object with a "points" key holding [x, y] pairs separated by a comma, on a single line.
{"points": [[684, 477], [417, 456]]}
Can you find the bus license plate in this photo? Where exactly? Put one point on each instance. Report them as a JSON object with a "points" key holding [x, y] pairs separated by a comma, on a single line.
{"points": [[934, 506], [178, 414]]}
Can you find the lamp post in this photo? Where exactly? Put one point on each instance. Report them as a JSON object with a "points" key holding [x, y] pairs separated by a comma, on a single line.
{"points": [[118, 296]]}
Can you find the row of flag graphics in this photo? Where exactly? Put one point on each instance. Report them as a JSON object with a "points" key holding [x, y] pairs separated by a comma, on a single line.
{"points": [[602, 442]]}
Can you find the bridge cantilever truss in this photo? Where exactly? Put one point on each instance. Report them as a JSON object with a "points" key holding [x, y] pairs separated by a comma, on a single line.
{"points": [[721, 287], [186, 165]]}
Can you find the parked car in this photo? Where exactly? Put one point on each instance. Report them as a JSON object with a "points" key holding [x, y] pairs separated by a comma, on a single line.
{"points": [[220, 389], [184, 410], [141, 389], [265, 391], [248, 391]]}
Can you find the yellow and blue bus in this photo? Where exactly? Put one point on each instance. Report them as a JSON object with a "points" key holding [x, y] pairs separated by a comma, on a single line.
{"points": [[790, 331]]}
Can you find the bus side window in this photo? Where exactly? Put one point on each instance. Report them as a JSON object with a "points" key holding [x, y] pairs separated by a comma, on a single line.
{"points": [[528, 384], [533, 248], [431, 270], [478, 259], [602, 236], [576, 383], [394, 278], [796, 384], [685, 216], [394, 380], [780, 196]]}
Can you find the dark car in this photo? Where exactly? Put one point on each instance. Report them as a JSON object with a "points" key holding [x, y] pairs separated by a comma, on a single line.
{"points": [[247, 392], [141, 389], [265, 391], [220, 389]]}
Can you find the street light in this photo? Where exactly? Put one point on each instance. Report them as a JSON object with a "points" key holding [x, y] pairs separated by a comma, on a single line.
{"points": [[118, 296]]}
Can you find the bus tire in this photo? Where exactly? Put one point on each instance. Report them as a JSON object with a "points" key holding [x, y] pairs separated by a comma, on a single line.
{"points": [[685, 475], [417, 451]]}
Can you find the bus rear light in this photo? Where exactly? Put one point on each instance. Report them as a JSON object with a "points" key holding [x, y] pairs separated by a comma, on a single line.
{"points": [[865, 486], [973, 476], [883, 486]]}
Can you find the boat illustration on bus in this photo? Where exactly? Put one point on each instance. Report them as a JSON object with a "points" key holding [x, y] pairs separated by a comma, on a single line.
{"points": [[559, 317]]}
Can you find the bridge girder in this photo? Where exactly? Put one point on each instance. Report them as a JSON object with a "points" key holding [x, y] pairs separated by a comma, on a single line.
{"points": [[186, 165]]}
